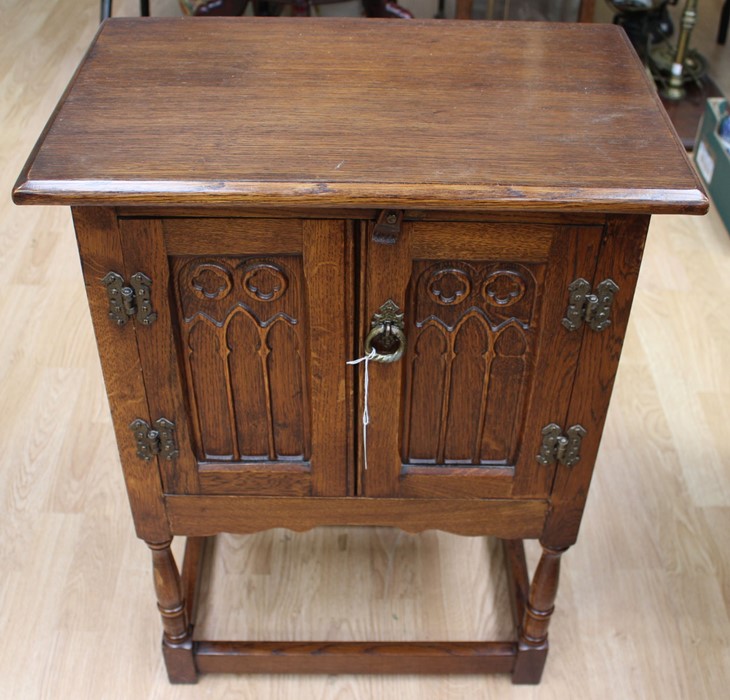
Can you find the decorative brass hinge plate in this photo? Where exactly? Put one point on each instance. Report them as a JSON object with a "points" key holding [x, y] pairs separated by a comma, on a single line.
{"points": [[157, 440], [591, 308], [556, 447], [129, 300], [387, 227]]}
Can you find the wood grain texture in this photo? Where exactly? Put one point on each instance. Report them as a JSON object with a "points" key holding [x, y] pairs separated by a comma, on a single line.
{"points": [[168, 588], [190, 574], [249, 347], [242, 324], [471, 329], [207, 515], [484, 240], [488, 362], [516, 563], [386, 278], [474, 141], [361, 214], [619, 259], [177, 645], [432, 658], [256, 479], [324, 271], [539, 606], [75, 585], [237, 236], [144, 251], [97, 234], [573, 255]]}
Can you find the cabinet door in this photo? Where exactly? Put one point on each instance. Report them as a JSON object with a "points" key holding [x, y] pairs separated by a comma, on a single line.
{"points": [[247, 354], [488, 362]]}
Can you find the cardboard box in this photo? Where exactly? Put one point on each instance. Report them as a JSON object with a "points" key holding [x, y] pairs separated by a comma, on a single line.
{"points": [[712, 157]]}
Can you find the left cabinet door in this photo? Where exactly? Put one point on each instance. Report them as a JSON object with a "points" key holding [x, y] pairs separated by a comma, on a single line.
{"points": [[247, 353]]}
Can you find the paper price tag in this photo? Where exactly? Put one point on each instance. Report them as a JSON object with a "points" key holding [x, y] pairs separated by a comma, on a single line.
{"points": [[365, 412], [705, 162]]}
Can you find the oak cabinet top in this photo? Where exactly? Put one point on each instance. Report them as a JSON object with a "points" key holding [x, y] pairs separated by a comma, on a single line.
{"points": [[354, 112]]}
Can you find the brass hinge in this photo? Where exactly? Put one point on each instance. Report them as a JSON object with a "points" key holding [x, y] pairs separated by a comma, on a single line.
{"points": [[590, 308], [129, 300], [387, 227], [556, 447], [157, 440]]}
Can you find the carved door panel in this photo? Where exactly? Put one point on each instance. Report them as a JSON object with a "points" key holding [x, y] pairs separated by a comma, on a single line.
{"points": [[488, 362], [247, 355]]}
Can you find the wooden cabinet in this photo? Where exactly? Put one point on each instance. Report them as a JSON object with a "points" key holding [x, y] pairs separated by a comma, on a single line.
{"points": [[437, 194], [248, 348]]}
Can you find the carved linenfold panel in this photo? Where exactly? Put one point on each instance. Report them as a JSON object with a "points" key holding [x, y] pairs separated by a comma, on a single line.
{"points": [[251, 414], [449, 286], [469, 366], [507, 381], [446, 292], [264, 281], [213, 288], [285, 380], [206, 357], [428, 362], [504, 288], [241, 322], [210, 281], [472, 331]]}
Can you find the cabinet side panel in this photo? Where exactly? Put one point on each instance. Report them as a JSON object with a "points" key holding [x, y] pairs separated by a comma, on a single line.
{"points": [[619, 260], [100, 249]]}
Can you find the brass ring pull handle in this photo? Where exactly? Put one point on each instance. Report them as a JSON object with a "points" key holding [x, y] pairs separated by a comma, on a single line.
{"points": [[385, 329]]}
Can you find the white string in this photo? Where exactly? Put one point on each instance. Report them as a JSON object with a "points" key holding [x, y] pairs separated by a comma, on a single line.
{"points": [[365, 412]]}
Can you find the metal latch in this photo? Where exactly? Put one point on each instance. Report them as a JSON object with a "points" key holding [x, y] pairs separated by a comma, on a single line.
{"points": [[387, 227], [386, 341], [157, 440], [129, 300], [590, 308], [556, 447]]}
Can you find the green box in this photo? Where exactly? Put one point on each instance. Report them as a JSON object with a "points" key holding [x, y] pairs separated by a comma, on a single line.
{"points": [[712, 157]]}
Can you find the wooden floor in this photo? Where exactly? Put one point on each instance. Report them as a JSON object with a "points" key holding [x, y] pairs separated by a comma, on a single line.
{"points": [[644, 603]]}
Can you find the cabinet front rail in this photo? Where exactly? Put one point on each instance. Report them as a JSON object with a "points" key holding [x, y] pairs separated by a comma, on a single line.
{"points": [[201, 516]]}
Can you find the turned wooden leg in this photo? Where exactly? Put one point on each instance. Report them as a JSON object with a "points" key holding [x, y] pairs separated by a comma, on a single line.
{"points": [[533, 641], [177, 642]]}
